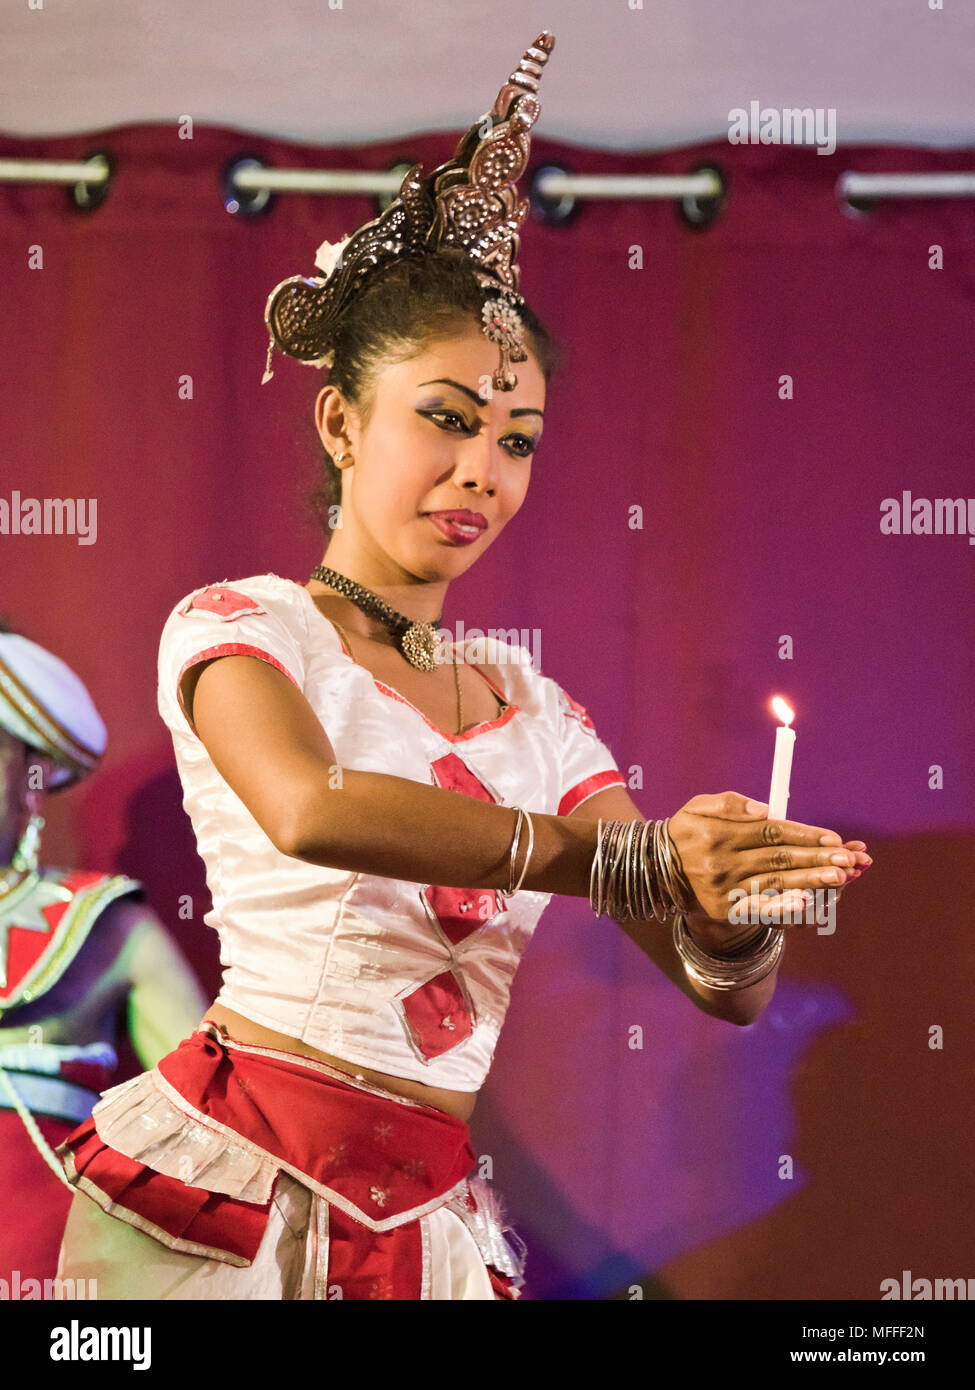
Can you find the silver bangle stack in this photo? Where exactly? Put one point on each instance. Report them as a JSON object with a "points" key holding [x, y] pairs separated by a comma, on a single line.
{"points": [[513, 887], [637, 875], [627, 882], [731, 971]]}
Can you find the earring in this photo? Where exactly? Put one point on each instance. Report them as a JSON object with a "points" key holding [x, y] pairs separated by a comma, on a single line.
{"points": [[25, 855]]}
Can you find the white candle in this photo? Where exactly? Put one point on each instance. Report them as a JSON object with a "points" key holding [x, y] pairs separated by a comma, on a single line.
{"points": [[785, 740]]}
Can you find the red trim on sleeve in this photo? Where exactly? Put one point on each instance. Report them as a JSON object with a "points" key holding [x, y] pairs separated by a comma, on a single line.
{"points": [[227, 649], [582, 791]]}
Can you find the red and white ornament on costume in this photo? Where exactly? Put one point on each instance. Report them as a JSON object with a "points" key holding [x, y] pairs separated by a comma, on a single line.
{"points": [[226, 603], [574, 710]]}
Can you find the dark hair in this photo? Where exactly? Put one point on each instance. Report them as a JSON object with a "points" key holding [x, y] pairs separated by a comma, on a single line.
{"points": [[411, 304]]}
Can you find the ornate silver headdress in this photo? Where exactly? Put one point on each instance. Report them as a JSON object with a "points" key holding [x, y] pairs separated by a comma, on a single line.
{"points": [[470, 203]]}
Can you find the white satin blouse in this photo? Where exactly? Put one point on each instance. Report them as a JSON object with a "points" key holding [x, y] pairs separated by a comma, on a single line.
{"points": [[407, 978]]}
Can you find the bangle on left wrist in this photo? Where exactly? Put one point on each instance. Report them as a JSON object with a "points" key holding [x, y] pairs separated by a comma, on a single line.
{"points": [[718, 941]]}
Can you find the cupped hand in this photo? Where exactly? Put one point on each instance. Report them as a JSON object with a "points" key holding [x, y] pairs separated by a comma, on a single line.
{"points": [[726, 845]]}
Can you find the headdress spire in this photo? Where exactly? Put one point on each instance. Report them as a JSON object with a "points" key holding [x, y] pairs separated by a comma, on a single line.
{"points": [[470, 203]]}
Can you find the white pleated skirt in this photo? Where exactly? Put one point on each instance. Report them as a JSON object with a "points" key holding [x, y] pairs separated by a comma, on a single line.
{"points": [[121, 1262]]}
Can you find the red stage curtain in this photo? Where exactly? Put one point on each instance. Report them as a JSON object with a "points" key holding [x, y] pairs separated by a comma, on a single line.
{"points": [[659, 1165]]}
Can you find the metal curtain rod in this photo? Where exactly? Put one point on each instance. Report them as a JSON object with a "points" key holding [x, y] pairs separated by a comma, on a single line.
{"points": [[252, 178]]}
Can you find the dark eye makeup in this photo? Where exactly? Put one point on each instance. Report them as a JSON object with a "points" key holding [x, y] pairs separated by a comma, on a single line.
{"points": [[446, 411]]}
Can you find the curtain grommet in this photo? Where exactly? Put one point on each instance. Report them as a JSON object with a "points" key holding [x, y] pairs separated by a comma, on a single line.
{"points": [[556, 211], [241, 202], [88, 197], [702, 211]]}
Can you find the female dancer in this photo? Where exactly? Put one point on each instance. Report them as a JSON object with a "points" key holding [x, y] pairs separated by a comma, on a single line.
{"points": [[382, 830]]}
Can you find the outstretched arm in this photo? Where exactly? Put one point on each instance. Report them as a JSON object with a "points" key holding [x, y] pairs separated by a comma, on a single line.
{"points": [[267, 743]]}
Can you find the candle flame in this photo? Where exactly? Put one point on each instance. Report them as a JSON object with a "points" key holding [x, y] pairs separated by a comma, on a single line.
{"points": [[784, 711]]}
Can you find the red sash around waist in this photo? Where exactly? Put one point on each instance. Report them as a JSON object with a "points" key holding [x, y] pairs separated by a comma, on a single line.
{"points": [[382, 1161]]}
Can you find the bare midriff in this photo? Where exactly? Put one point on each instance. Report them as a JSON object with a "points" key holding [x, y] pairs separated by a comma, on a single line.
{"points": [[243, 1030]]}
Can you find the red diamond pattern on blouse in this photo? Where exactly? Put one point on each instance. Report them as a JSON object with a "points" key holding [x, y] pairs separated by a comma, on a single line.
{"points": [[461, 911], [437, 1013], [226, 603]]}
